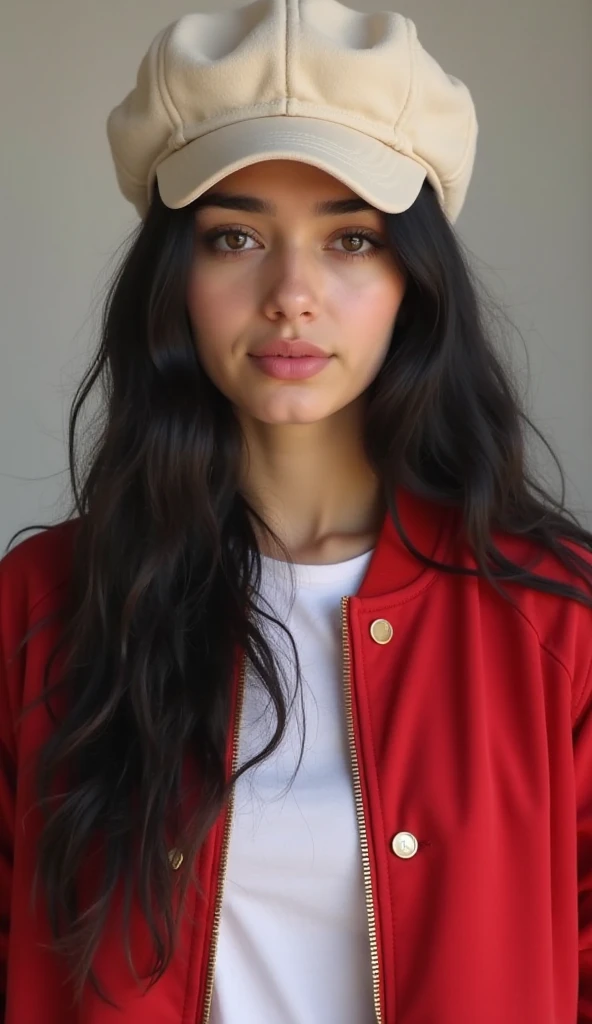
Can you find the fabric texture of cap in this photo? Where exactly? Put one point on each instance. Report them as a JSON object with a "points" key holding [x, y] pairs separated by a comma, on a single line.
{"points": [[352, 93]]}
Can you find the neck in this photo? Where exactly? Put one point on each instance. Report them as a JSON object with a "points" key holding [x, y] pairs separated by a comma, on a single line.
{"points": [[313, 485]]}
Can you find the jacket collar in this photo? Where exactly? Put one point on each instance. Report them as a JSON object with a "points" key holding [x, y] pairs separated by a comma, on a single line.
{"points": [[392, 568]]}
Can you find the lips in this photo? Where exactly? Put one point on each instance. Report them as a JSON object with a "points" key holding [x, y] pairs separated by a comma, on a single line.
{"points": [[291, 349]]}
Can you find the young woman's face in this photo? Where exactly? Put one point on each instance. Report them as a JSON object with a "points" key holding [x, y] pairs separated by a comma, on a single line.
{"points": [[288, 271]]}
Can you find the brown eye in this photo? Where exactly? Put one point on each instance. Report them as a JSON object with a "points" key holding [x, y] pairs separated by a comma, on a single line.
{"points": [[234, 236], [358, 242], [229, 241]]}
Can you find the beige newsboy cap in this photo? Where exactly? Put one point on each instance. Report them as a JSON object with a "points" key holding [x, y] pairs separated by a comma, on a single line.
{"points": [[352, 93]]}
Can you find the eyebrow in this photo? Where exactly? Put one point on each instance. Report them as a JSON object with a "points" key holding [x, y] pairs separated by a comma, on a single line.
{"points": [[253, 204]]}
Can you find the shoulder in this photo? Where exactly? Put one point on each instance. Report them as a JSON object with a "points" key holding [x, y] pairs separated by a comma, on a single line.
{"points": [[561, 621], [549, 593], [42, 561], [33, 585], [572, 567], [34, 573]]}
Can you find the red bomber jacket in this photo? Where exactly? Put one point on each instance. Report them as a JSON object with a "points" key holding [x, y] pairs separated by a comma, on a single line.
{"points": [[470, 729]]}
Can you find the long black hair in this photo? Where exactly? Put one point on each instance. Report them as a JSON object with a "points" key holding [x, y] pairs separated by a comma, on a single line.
{"points": [[165, 550]]}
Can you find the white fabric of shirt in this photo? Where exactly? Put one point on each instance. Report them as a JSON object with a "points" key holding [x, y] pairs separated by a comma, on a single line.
{"points": [[293, 945]]}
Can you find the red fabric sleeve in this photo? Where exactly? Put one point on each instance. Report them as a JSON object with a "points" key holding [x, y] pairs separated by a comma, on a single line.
{"points": [[583, 772], [7, 778]]}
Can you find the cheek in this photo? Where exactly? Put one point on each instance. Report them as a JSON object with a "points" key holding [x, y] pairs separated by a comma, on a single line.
{"points": [[214, 307], [208, 318], [371, 305]]}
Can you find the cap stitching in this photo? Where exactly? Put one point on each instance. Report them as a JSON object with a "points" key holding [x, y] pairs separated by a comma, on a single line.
{"points": [[412, 37], [263, 106], [290, 118], [163, 89], [286, 40]]}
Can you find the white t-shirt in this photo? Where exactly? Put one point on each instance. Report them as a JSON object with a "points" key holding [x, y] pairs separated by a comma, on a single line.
{"points": [[293, 945]]}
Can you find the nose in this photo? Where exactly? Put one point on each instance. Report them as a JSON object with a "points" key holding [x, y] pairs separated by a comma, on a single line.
{"points": [[293, 291]]}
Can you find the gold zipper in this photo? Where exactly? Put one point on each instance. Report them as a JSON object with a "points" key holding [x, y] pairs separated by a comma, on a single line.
{"points": [[224, 854], [374, 957]]}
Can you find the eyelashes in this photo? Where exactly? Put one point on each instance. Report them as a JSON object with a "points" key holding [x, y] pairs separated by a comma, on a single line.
{"points": [[210, 239]]}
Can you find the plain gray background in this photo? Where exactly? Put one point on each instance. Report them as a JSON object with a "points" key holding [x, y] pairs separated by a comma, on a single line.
{"points": [[527, 219]]}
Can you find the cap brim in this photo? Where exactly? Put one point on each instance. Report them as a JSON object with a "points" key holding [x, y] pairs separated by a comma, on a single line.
{"points": [[387, 179]]}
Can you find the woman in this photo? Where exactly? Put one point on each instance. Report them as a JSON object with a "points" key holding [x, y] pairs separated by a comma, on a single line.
{"points": [[296, 704]]}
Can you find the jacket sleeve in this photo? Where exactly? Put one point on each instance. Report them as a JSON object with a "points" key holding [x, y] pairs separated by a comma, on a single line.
{"points": [[583, 773], [7, 800], [10, 663]]}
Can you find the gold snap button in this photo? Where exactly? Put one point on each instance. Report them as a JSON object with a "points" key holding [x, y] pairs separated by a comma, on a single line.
{"points": [[381, 631], [404, 845], [175, 858]]}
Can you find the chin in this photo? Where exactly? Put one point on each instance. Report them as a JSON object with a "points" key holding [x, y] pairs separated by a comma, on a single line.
{"points": [[278, 417], [281, 421]]}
